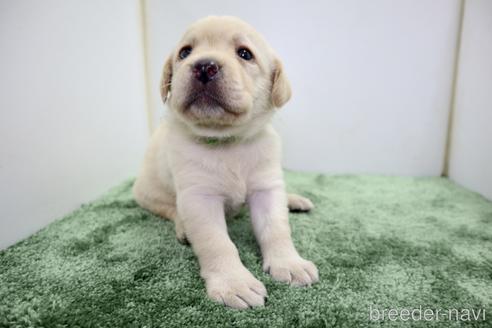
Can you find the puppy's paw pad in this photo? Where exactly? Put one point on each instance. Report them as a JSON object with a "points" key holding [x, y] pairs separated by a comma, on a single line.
{"points": [[298, 203], [295, 271], [236, 290]]}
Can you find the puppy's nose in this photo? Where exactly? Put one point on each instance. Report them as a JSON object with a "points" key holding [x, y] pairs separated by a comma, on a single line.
{"points": [[205, 70]]}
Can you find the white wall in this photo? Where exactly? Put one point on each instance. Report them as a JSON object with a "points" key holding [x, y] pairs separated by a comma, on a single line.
{"points": [[72, 106], [372, 80], [471, 139]]}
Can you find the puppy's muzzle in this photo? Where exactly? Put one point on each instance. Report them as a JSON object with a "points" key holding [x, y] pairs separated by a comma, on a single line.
{"points": [[205, 70]]}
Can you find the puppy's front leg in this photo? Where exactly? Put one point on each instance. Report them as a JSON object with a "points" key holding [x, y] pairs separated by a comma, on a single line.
{"points": [[227, 280], [269, 215]]}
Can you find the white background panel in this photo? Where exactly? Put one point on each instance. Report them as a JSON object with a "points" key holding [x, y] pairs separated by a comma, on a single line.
{"points": [[471, 147], [72, 106]]}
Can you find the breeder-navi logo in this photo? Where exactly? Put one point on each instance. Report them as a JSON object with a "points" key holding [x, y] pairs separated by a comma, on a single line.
{"points": [[426, 314]]}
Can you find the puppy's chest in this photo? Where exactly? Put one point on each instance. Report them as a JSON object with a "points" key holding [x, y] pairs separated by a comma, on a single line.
{"points": [[230, 176], [231, 172], [226, 173]]}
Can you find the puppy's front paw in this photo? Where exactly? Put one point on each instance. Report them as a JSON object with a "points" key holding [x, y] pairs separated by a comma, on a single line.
{"points": [[236, 288], [293, 270], [297, 203]]}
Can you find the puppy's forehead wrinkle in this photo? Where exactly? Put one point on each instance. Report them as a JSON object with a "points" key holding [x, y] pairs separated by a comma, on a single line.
{"points": [[217, 41], [225, 29], [188, 41]]}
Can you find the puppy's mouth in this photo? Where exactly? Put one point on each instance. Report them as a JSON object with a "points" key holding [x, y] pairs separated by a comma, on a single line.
{"points": [[204, 98], [206, 102]]}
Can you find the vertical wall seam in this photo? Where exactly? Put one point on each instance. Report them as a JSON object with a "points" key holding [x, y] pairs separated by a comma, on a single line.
{"points": [[146, 63], [454, 85]]}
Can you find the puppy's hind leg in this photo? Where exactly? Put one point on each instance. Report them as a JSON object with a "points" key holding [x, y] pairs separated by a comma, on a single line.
{"points": [[297, 203], [168, 211], [164, 205]]}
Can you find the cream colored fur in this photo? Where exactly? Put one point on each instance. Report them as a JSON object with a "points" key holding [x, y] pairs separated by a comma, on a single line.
{"points": [[197, 185]]}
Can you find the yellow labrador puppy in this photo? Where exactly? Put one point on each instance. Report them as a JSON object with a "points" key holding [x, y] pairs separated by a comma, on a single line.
{"points": [[216, 150]]}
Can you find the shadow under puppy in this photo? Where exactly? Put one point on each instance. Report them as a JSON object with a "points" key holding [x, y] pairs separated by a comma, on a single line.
{"points": [[217, 150]]}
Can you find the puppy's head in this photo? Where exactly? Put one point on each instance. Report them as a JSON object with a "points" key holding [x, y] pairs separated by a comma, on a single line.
{"points": [[223, 78]]}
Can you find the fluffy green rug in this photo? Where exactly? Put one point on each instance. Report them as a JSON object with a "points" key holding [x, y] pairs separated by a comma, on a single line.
{"points": [[409, 244]]}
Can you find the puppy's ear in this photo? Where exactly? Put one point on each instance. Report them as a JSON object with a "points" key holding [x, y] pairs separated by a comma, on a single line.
{"points": [[280, 85], [166, 78]]}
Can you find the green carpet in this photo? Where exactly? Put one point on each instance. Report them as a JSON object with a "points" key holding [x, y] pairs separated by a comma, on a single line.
{"points": [[379, 242]]}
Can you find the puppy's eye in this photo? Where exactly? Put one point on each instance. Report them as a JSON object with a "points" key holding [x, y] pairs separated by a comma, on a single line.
{"points": [[244, 53], [185, 52]]}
